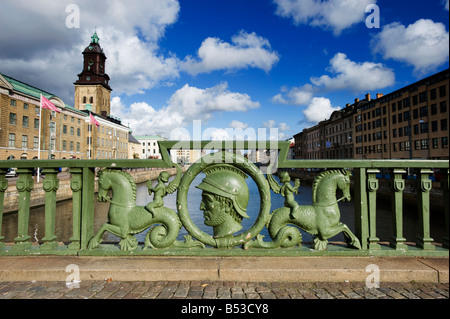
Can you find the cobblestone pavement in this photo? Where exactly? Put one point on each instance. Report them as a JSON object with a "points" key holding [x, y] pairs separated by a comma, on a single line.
{"points": [[220, 290]]}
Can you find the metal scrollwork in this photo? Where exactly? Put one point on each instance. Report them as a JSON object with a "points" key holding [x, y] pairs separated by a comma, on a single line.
{"points": [[224, 202], [224, 199]]}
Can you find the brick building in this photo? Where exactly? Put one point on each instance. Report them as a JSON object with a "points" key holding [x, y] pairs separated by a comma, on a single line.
{"points": [[411, 122]]}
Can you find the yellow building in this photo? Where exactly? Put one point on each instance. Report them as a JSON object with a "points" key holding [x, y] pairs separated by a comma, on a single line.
{"points": [[65, 135], [19, 125]]}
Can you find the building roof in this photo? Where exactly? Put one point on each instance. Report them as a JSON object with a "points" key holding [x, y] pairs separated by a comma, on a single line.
{"points": [[35, 92], [132, 139], [150, 137]]}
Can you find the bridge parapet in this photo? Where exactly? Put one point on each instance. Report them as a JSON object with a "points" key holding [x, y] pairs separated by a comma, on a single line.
{"points": [[224, 203]]}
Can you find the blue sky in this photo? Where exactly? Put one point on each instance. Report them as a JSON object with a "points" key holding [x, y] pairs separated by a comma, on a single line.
{"points": [[248, 64]]}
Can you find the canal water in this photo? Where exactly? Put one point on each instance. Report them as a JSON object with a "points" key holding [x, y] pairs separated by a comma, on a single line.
{"points": [[64, 216]]}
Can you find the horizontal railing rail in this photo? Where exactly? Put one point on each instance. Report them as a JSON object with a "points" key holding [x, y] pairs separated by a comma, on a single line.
{"points": [[284, 224]]}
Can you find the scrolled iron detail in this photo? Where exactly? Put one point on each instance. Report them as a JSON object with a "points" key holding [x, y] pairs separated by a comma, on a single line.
{"points": [[223, 192]]}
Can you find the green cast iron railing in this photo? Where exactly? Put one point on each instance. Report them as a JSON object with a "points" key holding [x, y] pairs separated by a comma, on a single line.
{"points": [[364, 177]]}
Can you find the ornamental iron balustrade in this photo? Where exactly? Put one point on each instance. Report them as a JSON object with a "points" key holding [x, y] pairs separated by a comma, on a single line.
{"points": [[225, 198]]}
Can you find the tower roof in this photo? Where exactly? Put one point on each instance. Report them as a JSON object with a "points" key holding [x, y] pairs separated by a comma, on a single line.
{"points": [[95, 38], [94, 46]]}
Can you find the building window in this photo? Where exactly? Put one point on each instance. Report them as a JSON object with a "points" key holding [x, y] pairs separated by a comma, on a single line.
{"points": [[445, 142], [36, 143], [24, 141], [25, 121], [435, 143], [12, 140], [64, 129], [442, 91], [424, 111], [72, 131], [444, 125], [25, 106], [424, 144], [12, 118], [78, 132], [406, 103], [407, 146], [433, 109], [13, 103], [36, 124], [423, 97], [433, 94], [78, 146], [434, 126], [71, 146], [417, 145], [443, 107], [407, 130], [424, 127], [64, 146]]}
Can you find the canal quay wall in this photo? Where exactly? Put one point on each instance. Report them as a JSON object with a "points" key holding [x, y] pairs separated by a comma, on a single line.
{"points": [[64, 191]]}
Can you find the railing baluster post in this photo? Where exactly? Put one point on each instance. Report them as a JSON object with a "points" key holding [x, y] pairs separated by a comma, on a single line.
{"points": [[423, 192], [398, 186], [50, 185], [3, 188], [372, 186], [76, 183], [361, 211], [445, 189], [24, 185], [87, 214]]}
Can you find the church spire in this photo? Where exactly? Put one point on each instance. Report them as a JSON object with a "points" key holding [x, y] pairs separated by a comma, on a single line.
{"points": [[95, 38]]}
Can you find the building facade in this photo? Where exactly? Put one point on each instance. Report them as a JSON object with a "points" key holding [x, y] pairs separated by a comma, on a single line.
{"points": [[410, 123], [70, 133], [149, 146], [62, 134]]}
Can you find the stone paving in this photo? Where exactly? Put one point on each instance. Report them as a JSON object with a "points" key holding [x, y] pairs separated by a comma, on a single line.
{"points": [[220, 290]]}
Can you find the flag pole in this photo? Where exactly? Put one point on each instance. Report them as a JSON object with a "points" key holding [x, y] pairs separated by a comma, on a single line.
{"points": [[39, 147], [89, 128]]}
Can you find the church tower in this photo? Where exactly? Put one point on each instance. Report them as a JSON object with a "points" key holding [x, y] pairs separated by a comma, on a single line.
{"points": [[92, 90]]}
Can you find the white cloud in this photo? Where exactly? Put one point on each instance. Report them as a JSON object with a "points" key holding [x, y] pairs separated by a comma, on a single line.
{"points": [[186, 105], [41, 40], [247, 50], [319, 109], [348, 75], [355, 76], [135, 65], [238, 125], [297, 96], [337, 15], [423, 44], [277, 131]]}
